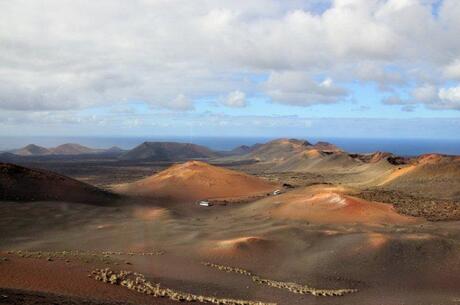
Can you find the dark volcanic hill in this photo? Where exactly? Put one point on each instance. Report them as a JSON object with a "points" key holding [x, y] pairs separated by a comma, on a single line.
{"points": [[19, 183], [73, 149], [68, 149], [168, 151], [32, 150], [244, 149]]}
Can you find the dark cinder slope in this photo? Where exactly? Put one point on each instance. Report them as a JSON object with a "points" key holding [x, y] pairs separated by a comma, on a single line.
{"points": [[168, 151], [428, 175], [73, 149], [32, 150], [19, 183], [244, 149]]}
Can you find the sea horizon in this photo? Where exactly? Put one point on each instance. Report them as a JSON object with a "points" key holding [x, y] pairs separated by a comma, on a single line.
{"points": [[397, 146]]}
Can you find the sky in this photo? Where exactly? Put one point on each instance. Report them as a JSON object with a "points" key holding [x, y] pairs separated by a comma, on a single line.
{"points": [[338, 68]]}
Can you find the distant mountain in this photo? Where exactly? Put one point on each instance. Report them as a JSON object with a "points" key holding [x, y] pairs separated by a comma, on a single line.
{"points": [[73, 149], [295, 155], [168, 151], [19, 183], [278, 150], [32, 150], [325, 146], [244, 149], [114, 149], [70, 149]]}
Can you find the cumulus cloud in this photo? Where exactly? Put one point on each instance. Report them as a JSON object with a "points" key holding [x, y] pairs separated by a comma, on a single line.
{"points": [[449, 98], [180, 103], [64, 55], [425, 94], [297, 88], [235, 99], [452, 70], [445, 98], [379, 74]]}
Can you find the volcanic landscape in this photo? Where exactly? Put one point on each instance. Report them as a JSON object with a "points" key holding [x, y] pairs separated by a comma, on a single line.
{"points": [[284, 222]]}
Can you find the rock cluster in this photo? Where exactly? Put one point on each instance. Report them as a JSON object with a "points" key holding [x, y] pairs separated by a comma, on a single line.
{"points": [[137, 282], [292, 287]]}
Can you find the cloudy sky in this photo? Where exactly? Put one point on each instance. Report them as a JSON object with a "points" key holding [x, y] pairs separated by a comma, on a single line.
{"points": [[351, 68]]}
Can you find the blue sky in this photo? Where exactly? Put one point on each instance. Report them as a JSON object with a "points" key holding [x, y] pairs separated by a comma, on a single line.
{"points": [[246, 68]]}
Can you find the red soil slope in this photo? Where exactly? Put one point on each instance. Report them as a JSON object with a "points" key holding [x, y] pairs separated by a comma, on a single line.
{"points": [[196, 180], [329, 205]]}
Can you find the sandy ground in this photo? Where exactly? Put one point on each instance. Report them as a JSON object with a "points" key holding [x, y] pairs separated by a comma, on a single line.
{"points": [[27, 297], [320, 235], [389, 263]]}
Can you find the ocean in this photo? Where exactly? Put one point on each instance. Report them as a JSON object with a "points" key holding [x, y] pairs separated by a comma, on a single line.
{"points": [[403, 147]]}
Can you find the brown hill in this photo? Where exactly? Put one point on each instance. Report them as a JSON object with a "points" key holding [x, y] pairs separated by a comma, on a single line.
{"points": [[325, 146], [430, 175], [168, 151], [19, 183], [294, 155], [196, 180], [73, 149], [314, 160], [378, 156], [278, 150]]}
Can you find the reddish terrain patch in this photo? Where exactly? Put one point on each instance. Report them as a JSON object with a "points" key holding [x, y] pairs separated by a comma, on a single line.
{"points": [[63, 278], [330, 205], [196, 180]]}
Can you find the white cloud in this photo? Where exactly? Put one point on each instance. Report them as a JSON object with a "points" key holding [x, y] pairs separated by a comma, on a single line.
{"points": [[425, 94], [63, 54], [452, 70], [449, 98], [450, 94], [375, 72], [180, 103], [297, 88], [235, 99], [446, 98]]}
